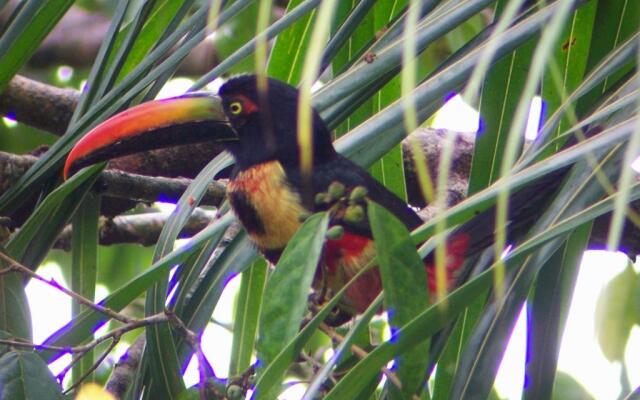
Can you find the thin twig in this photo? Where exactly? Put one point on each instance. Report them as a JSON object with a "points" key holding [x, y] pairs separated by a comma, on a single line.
{"points": [[79, 351], [95, 365], [116, 333], [29, 345], [359, 352], [204, 368], [18, 267], [74, 360]]}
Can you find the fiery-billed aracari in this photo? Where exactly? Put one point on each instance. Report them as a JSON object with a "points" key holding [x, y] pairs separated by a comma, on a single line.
{"points": [[268, 191]]}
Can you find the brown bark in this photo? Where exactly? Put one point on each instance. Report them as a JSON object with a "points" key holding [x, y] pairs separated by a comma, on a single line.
{"points": [[39, 105], [117, 184]]}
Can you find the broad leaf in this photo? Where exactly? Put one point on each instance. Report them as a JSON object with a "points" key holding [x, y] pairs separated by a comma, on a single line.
{"points": [[24, 375]]}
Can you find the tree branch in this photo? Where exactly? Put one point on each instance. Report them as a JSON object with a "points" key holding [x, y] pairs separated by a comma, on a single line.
{"points": [[118, 184], [142, 229], [125, 369], [39, 105]]}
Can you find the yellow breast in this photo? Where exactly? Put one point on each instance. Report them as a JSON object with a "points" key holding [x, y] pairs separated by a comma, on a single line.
{"points": [[268, 207]]}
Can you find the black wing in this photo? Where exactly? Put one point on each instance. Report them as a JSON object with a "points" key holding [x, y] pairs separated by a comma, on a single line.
{"points": [[345, 171]]}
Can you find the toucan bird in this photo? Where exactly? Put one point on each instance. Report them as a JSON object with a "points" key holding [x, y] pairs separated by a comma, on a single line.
{"points": [[268, 191]]}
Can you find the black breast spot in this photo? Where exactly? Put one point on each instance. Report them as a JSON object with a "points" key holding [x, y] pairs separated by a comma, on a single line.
{"points": [[246, 212]]}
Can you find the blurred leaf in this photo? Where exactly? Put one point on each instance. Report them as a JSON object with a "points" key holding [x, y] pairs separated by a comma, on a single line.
{"points": [[568, 388], [4, 347], [450, 356], [616, 20], [289, 50], [21, 138], [554, 288], [567, 67], [35, 20], [500, 97], [15, 316], [248, 48], [616, 313], [24, 375], [237, 31], [285, 297], [93, 391], [389, 169], [548, 311], [405, 295], [164, 12]]}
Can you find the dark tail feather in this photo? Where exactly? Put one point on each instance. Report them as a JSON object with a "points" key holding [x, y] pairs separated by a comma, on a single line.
{"points": [[526, 205]]}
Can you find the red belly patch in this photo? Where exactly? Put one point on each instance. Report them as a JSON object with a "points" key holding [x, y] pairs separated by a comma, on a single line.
{"points": [[344, 257]]}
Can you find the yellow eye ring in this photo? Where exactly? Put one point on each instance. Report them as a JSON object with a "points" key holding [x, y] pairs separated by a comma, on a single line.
{"points": [[235, 108]]}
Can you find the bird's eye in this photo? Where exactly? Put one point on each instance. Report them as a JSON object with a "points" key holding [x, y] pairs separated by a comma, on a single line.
{"points": [[235, 108]]}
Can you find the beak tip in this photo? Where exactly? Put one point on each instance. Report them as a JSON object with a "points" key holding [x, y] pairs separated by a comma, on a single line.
{"points": [[67, 170]]}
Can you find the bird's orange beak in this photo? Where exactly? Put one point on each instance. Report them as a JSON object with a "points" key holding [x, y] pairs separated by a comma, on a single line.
{"points": [[192, 118]]}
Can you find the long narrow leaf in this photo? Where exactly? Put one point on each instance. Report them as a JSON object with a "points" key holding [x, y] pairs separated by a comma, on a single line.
{"points": [[403, 279]]}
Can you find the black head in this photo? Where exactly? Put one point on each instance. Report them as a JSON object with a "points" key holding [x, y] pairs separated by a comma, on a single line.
{"points": [[266, 123]]}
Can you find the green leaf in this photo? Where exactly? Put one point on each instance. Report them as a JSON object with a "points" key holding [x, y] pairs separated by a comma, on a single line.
{"points": [[4, 348], [163, 356], [405, 294], [568, 388], [616, 313], [378, 134], [237, 31], [84, 265], [389, 169], [190, 272], [247, 314], [556, 279], [248, 48], [616, 20], [15, 316], [27, 30], [500, 97], [548, 311], [450, 357], [24, 375], [567, 67], [288, 287], [236, 257], [31, 244], [367, 77], [288, 53], [155, 26], [270, 377]]}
